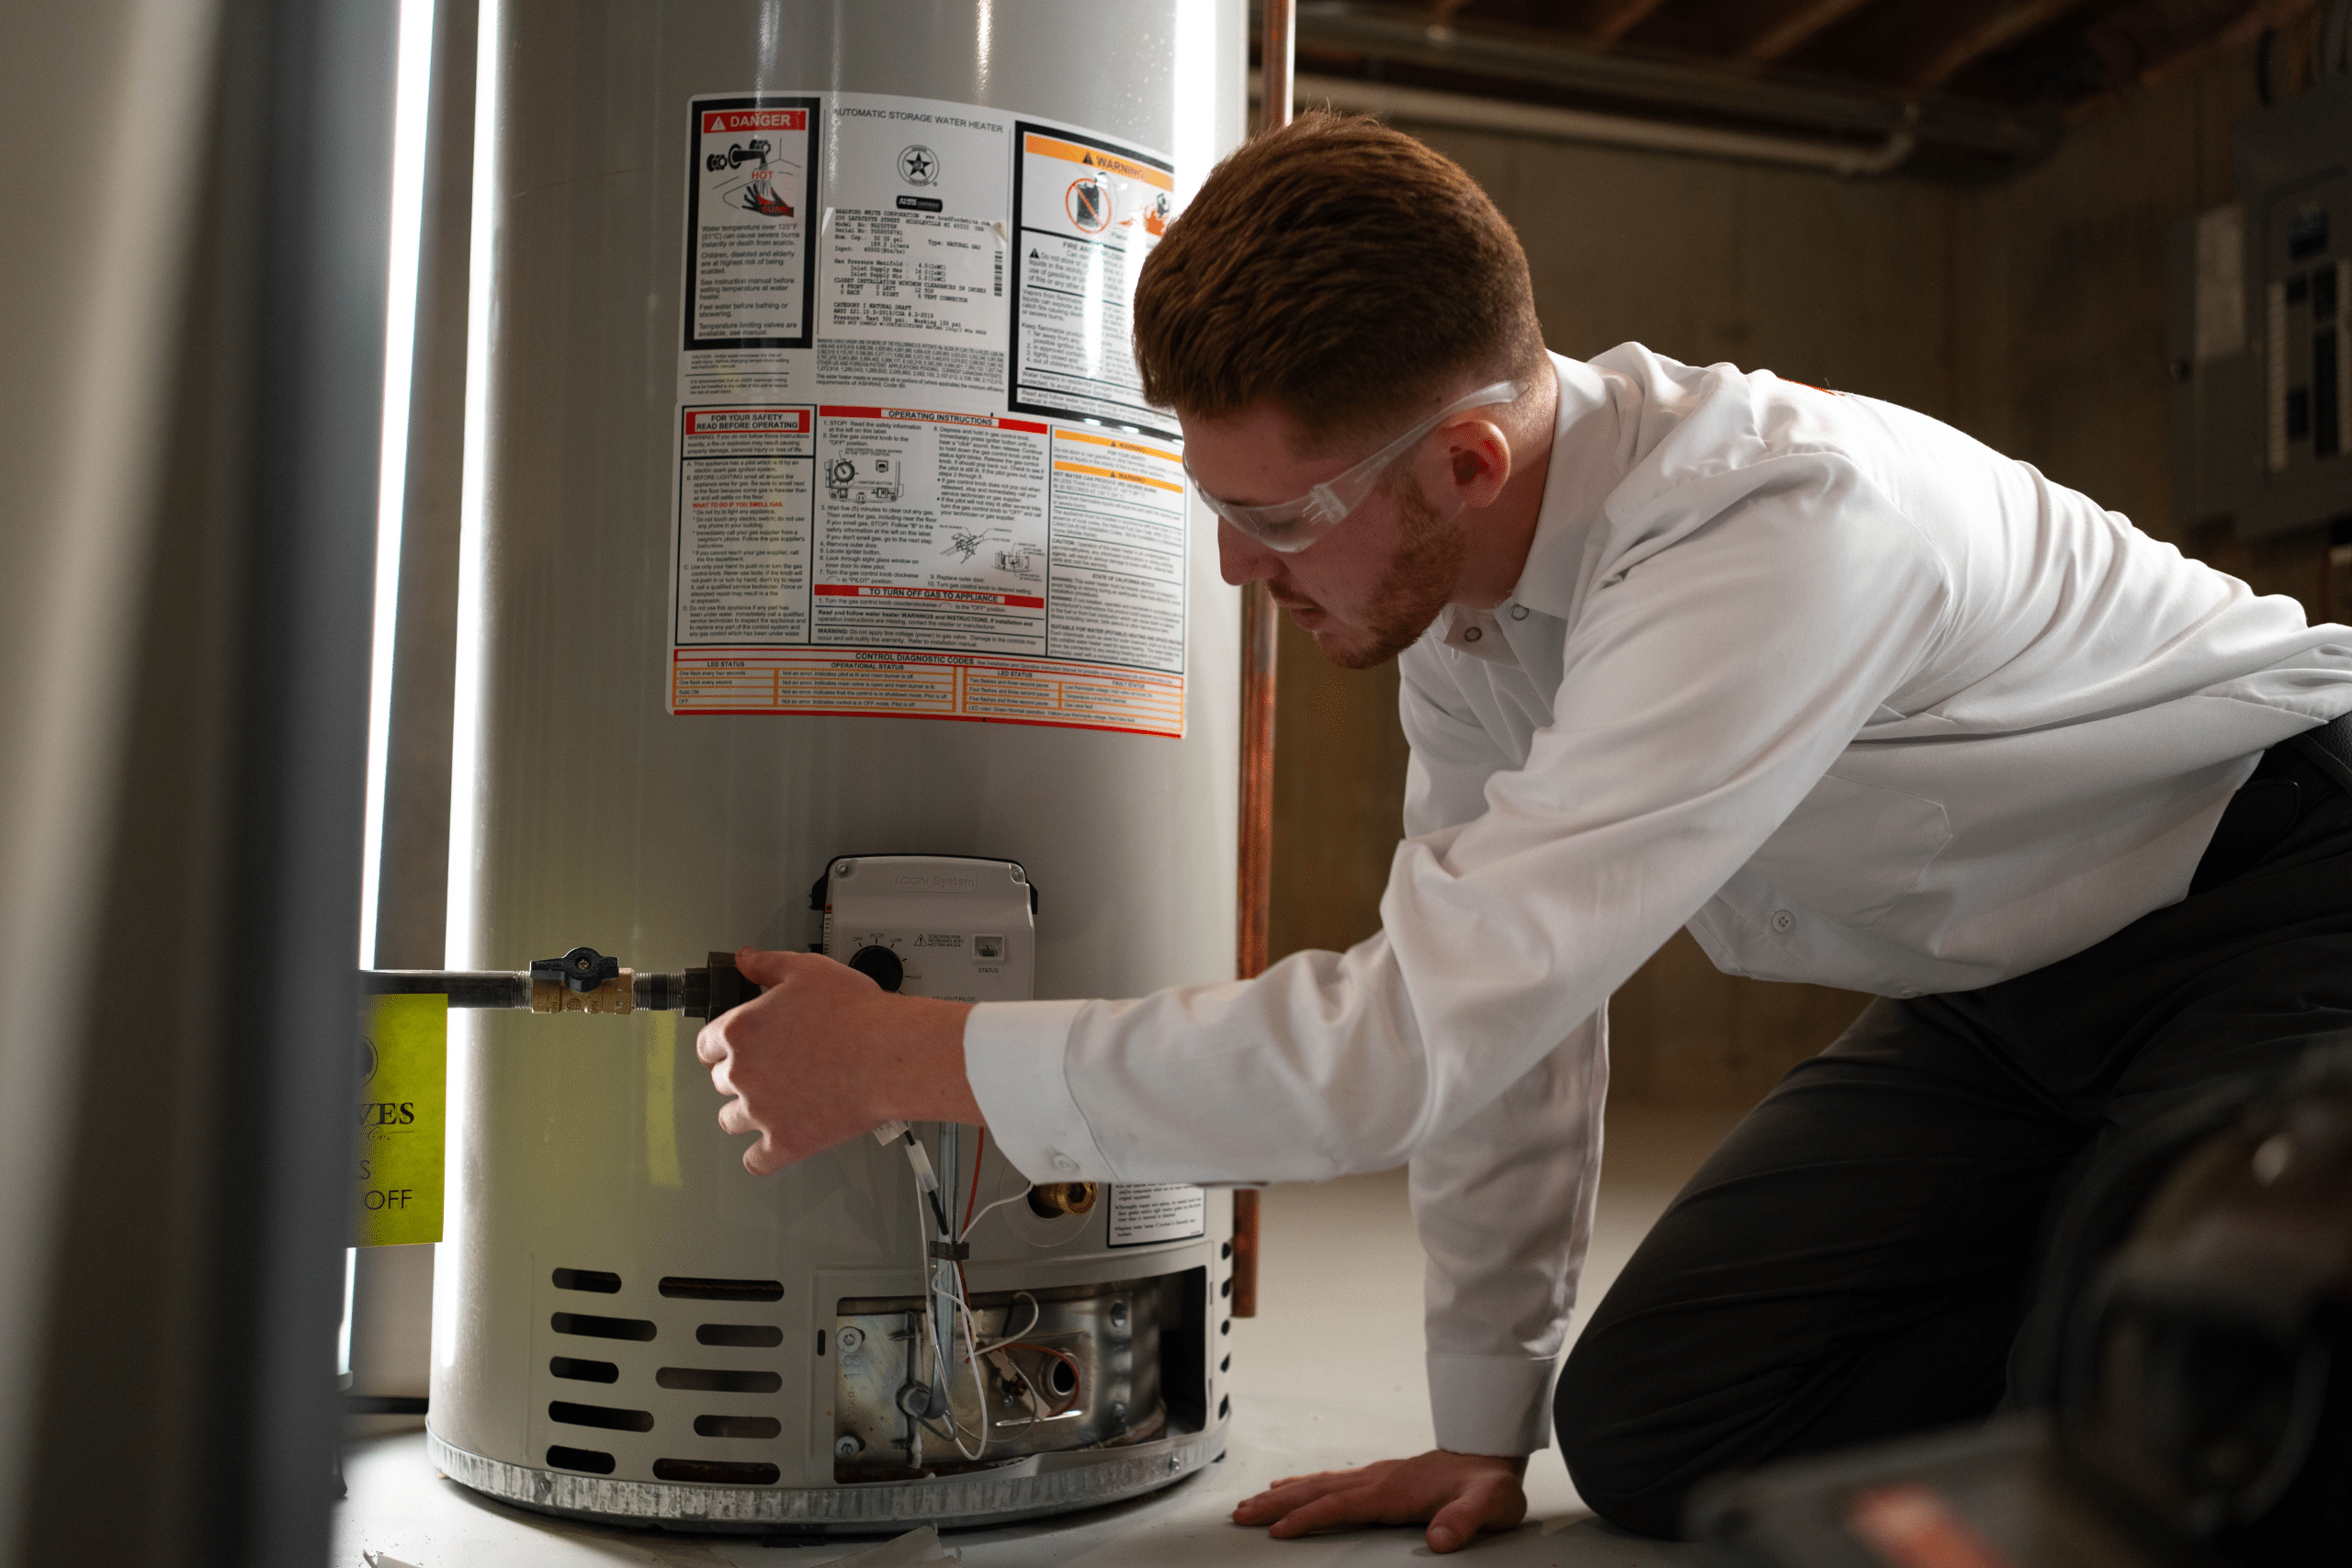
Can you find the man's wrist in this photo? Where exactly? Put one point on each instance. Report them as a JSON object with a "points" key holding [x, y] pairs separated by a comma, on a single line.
{"points": [[921, 1074]]}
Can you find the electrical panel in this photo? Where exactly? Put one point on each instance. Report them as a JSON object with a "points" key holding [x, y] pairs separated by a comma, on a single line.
{"points": [[2260, 329]]}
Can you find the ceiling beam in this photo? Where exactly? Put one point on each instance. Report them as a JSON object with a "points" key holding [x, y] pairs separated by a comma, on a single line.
{"points": [[1338, 28], [1612, 20], [1970, 33], [1585, 22], [1797, 28]]}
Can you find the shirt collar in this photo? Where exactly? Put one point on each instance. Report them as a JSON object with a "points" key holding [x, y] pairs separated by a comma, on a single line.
{"points": [[1477, 633], [1587, 464]]}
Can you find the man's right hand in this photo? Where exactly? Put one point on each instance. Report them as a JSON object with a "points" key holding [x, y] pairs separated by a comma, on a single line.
{"points": [[1456, 1494]]}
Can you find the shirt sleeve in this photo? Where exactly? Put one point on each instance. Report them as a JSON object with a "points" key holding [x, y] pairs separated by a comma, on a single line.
{"points": [[1504, 1207], [1503, 1204]]}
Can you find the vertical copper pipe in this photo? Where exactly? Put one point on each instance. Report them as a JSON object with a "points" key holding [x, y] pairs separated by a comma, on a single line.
{"points": [[1245, 1252], [1259, 647], [1277, 50]]}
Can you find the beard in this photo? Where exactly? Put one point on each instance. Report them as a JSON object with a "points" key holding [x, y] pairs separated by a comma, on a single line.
{"points": [[1415, 587]]}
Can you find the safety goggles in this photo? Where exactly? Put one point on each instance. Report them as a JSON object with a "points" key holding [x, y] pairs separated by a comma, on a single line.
{"points": [[1292, 526]]}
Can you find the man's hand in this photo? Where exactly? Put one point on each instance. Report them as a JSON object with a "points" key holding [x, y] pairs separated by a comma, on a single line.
{"points": [[824, 1055], [1458, 1495]]}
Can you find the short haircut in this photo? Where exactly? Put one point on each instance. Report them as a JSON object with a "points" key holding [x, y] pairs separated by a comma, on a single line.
{"points": [[1339, 269]]}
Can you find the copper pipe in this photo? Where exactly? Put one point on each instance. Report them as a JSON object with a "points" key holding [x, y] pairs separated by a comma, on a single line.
{"points": [[1245, 1252], [1259, 650], [1278, 49], [1258, 647]]}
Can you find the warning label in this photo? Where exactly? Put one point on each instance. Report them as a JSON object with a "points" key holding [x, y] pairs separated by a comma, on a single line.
{"points": [[396, 1196], [1156, 1211], [1090, 211], [870, 518], [1118, 557]]}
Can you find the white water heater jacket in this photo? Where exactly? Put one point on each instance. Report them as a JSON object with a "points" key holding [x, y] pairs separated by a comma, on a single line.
{"points": [[1855, 698]]}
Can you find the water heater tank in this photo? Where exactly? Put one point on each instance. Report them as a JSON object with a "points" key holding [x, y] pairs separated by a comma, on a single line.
{"points": [[828, 583]]}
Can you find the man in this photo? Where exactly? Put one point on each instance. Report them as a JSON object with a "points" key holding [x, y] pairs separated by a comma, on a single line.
{"points": [[1858, 700]]}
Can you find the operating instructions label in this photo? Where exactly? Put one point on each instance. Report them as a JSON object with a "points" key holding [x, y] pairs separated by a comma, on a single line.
{"points": [[915, 474], [1156, 1211]]}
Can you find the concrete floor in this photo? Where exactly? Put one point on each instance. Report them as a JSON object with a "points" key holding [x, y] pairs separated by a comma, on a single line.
{"points": [[1330, 1376]]}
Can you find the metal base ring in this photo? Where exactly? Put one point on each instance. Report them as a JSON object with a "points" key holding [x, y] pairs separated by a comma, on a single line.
{"points": [[1026, 1489]]}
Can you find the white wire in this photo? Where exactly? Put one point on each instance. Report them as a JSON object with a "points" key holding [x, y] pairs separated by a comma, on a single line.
{"points": [[980, 1384], [1035, 1314], [993, 1207]]}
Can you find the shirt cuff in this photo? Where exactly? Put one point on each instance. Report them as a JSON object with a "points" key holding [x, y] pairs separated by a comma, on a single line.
{"points": [[1013, 1055], [1491, 1405]]}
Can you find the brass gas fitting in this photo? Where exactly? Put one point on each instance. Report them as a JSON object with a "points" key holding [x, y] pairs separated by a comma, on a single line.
{"points": [[617, 994], [1053, 1199]]}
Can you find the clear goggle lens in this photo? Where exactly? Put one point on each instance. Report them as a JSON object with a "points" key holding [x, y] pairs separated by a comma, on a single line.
{"points": [[1292, 526]]}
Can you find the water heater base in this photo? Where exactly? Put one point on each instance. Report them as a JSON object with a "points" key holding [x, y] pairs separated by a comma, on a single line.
{"points": [[1032, 1488]]}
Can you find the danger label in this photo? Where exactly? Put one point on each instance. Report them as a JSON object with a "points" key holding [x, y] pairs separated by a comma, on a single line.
{"points": [[720, 122], [751, 269]]}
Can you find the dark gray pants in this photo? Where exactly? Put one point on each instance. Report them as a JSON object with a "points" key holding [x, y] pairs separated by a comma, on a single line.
{"points": [[1857, 1258]]}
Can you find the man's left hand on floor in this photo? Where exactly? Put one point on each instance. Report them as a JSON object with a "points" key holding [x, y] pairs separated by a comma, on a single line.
{"points": [[1455, 1495]]}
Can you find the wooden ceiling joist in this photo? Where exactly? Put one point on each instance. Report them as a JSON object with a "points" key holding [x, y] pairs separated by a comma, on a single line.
{"points": [[1797, 26], [1612, 20], [1967, 33]]}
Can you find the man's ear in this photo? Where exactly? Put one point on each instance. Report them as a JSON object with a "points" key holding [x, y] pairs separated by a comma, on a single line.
{"points": [[1478, 461]]}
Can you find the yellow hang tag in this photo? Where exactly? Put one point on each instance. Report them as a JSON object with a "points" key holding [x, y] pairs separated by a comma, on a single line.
{"points": [[403, 1065]]}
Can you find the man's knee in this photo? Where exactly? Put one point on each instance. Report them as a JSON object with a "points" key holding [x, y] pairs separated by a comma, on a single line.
{"points": [[1628, 1466]]}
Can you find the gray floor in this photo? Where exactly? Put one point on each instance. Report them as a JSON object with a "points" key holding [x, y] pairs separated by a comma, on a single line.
{"points": [[1333, 1378]]}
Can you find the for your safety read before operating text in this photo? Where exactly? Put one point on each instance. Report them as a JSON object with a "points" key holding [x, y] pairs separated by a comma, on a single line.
{"points": [[916, 476]]}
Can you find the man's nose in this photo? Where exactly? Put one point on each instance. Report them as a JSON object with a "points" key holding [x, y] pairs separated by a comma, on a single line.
{"points": [[1242, 558]]}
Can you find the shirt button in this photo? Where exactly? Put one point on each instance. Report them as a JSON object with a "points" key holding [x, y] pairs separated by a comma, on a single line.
{"points": [[1472, 634], [1066, 1165], [1519, 611], [1784, 921]]}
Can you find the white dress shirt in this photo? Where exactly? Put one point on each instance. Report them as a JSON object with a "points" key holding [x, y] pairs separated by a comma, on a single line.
{"points": [[1858, 700]]}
